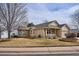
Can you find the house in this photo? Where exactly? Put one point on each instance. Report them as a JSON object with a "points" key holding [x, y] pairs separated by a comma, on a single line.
{"points": [[4, 34], [48, 29]]}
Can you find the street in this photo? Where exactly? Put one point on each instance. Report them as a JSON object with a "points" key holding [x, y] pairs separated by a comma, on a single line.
{"points": [[40, 51]]}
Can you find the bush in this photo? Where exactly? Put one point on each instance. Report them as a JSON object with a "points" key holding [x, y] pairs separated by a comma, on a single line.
{"points": [[4, 40], [32, 37], [39, 36], [14, 35], [54, 37], [68, 39], [70, 35]]}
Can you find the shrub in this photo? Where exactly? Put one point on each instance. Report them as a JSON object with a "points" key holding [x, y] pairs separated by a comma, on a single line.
{"points": [[39, 36], [14, 35], [55, 36], [32, 37], [70, 35], [68, 39], [4, 40]]}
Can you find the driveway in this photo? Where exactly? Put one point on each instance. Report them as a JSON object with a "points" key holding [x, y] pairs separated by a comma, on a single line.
{"points": [[40, 51]]}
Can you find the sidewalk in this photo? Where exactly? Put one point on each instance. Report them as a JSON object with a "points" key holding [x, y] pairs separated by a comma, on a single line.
{"points": [[41, 51]]}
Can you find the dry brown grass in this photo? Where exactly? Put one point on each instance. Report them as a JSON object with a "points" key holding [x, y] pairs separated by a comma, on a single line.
{"points": [[35, 42]]}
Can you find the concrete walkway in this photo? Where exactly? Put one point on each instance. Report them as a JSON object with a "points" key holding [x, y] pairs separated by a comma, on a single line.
{"points": [[40, 51]]}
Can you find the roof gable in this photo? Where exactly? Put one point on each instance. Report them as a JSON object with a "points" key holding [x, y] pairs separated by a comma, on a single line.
{"points": [[46, 24], [62, 25], [53, 24]]}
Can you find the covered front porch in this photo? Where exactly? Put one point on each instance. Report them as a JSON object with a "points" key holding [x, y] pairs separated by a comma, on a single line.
{"points": [[52, 32]]}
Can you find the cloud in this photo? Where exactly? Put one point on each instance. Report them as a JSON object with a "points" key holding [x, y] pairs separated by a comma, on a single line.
{"points": [[39, 12]]}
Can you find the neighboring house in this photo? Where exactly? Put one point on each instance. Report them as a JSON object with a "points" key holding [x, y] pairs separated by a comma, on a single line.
{"points": [[48, 29], [4, 34], [75, 31]]}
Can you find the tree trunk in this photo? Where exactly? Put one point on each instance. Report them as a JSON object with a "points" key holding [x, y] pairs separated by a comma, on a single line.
{"points": [[0, 34], [9, 36]]}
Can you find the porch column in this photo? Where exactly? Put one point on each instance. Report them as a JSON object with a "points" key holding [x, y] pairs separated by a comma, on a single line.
{"points": [[76, 34], [45, 32], [55, 31]]}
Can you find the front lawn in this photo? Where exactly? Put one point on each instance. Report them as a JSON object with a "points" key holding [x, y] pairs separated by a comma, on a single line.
{"points": [[25, 42]]}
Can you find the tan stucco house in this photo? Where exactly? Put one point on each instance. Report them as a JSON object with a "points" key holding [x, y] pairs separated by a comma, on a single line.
{"points": [[48, 29]]}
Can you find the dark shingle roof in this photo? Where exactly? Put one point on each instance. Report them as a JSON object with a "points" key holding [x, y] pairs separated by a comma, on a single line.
{"points": [[45, 24], [62, 25]]}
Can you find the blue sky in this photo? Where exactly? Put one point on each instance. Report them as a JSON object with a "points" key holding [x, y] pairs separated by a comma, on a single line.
{"points": [[38, 12]]}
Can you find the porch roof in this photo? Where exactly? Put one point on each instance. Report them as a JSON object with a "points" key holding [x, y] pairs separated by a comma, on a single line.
{"points": [[51, 27]]}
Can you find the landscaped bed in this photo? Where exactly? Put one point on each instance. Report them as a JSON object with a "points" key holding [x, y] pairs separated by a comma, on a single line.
{"points": [[25, 42]]}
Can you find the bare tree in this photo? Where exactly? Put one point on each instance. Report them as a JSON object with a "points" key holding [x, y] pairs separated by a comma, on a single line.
{"points": [[75, 19], [1, 28], [12, 14], [0, 32], [30, 24], [45, 21]]}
